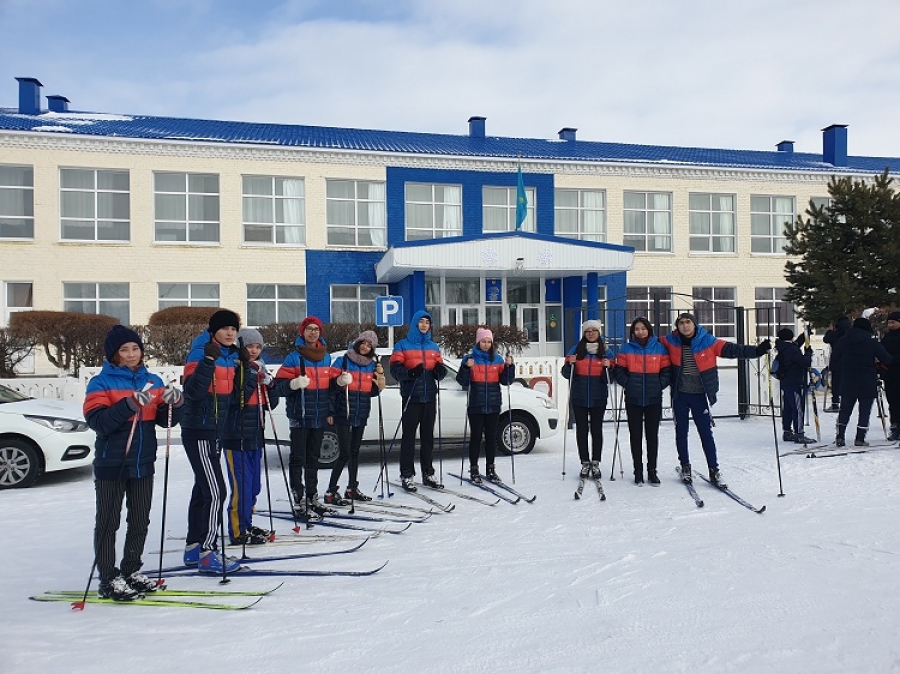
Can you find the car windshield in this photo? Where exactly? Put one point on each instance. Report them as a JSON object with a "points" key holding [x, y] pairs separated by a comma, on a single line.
{"points": [[8, 395]]}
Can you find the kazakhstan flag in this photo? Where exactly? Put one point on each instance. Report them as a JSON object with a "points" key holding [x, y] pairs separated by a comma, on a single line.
{"points": [[521, 202]]}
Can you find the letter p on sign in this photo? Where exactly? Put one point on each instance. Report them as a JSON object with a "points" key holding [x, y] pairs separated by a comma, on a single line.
{"points": [[389, 310]]}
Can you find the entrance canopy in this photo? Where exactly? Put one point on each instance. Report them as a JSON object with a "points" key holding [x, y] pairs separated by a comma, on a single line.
{"points": [[521, 254]]}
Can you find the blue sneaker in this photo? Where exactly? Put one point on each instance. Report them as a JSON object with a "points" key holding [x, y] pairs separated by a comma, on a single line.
{"points": [[191, 554], [211, 562]]}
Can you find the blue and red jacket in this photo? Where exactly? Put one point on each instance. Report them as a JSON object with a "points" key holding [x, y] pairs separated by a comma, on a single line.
{"points": [[309, 407], [208, 390], [247, 425], [415, 349], [588, 388], [706, 349], [483, 381], [357, 395], [643, 371], [108, 413]]}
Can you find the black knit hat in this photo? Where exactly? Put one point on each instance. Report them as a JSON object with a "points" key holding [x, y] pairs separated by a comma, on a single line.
{"points": [[116, 337], [223, 318], [686, 315], [863, 324], [785, 334], [894, 316]]}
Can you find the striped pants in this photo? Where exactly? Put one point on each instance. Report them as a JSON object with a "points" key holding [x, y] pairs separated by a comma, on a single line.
{"points": [[138, 496], [208, 494]]}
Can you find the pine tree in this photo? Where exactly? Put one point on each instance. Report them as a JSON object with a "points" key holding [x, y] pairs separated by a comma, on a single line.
{"points": [[849, 250]]}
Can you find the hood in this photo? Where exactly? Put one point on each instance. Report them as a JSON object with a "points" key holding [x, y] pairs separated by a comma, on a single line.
{"points": [[414, 335]]}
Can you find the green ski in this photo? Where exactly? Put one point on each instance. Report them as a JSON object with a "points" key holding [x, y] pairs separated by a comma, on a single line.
{"points": [[75, 600]]}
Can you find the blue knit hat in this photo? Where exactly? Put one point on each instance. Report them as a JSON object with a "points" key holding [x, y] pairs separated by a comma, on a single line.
{"points": [[116, 337]]}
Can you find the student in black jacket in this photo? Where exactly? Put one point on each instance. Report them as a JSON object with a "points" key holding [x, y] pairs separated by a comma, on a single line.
{"points": [[832, 337], [793, 368], [891, 376]]}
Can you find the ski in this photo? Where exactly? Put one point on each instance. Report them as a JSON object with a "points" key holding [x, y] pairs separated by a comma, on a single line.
{"points": [[459, 494], [325, 522], [731, 494], [580, 490], [392, 508], [176, 603], [423, 497], [690, 487], [846, 451], [249, 571], [600, 491], [399, 519], [168, 592], [514, 492], [806, 450], [488, 489]]}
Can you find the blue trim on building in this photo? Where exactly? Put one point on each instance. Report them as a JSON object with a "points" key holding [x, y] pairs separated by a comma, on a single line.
{"points": [[325, 268]]}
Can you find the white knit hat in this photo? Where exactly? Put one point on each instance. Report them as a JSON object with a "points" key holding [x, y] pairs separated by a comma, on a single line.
{"points": [[591, 325]]}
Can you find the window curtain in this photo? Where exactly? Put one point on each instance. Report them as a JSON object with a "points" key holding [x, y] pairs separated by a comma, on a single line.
{"points": [[377, 213], [294, 190], [452, 223]]}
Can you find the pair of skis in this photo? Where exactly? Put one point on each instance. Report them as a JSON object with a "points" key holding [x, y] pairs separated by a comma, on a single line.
{"points": [[499, 489], [211, 599], [725, 490], [597, 483]]}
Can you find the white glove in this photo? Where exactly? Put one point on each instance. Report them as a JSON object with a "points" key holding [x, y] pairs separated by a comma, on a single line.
{"points": [[142, 397], [263, 375], [299, 382], [344, 379], [171, 396]]}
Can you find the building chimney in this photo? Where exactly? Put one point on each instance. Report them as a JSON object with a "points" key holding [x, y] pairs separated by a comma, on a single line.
{"points": [[476, 127], [567, 133], [57, 103], [786, 146], [29, 96], [834, 144]]}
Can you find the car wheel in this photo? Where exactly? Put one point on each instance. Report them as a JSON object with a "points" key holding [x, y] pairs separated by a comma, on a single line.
{"points": [[524, 433], [20, 464], [329, 451]]}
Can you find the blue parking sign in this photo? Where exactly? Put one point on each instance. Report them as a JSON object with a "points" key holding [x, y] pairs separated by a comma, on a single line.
{"points": [[389, 310]]}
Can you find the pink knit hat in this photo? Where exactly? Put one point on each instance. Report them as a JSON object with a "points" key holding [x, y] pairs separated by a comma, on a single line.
{"points": [[483, 333]]}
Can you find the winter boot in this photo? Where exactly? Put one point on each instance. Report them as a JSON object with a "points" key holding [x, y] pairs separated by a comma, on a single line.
{"points": [[652, 477], [140, 583], [333, 497], [431, 481], [318, 507], [585, 469], [895, 434], [211, 562], [789, 436], [595, 469], [305, 514], [639, 476], [191, 554], [474, 475], [492, 473], [839, 437], [715, 476], [260, 532], [861, 437], [408, 484], [801, 439], [686, 473], [354, 494], [117, 589]]}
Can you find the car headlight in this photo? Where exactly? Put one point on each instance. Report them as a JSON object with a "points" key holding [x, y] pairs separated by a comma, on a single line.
{"points": [[59, 424]]}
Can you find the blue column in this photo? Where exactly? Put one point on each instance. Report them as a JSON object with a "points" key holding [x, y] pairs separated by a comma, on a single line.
{"points": [[416, 294], [571, 297], [593, 295]]}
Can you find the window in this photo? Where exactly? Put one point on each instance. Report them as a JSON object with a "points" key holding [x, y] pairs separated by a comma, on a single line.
{"points": [[16, 202], [716, 314], [355, 213], [773, 312], [433, 211], [188, 295], [580, 214], [354, 304], [499, 209], [434, 300], [274, 210], [187, 207], [711, 223], [275, 303], [642, 301], [648, 221], [109, 299], [462, 301], [19, 297], [768, 216], [94, 205]]}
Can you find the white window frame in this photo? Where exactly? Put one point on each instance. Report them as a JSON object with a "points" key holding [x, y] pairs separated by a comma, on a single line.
{"points": [[100, 297], [193, 298], [584, 214], [96, 195], [770, 303], [771, 220], [28, 189], [375, 209], [444, 214], [364, 301], [279, 299], [712, 218], [190, 196], [280, 207], [506, 211], [640, 237], [639, 302], [710, 314]]}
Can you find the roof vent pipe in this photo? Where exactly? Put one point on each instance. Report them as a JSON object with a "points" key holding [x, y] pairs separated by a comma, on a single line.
{"points": [[57, 103], [834, 144], [786, 146], [29, 96], [476, 127], [567, 133]]}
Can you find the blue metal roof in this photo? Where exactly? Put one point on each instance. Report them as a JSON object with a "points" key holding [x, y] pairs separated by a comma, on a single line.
{"points": [[402, 142]]}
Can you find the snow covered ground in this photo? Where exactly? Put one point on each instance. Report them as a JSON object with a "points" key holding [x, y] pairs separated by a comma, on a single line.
{"points": [[644, 582]]}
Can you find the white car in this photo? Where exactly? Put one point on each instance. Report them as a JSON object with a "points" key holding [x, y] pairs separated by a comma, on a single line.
{"points": [[39, 436], [534, 416]]}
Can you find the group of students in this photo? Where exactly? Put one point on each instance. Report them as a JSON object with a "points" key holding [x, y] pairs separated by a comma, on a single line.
{"points": [[683, 360]]}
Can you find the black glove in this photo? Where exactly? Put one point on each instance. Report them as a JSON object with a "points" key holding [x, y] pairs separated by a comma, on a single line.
{"points": [[440, 371], [416, 372], [808, 351], [763, 348], [211, 350], [244, 356]]}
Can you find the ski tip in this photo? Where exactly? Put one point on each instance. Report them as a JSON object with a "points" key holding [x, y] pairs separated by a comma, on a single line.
{"points": [[761, 510], [577, 496]]}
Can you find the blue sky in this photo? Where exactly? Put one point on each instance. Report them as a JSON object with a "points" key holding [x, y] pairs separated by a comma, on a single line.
{"points": [[670, 72]]}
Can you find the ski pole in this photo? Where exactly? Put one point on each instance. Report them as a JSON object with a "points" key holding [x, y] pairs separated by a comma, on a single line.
{"points": [[774, 423], [218, 451], [509, 426], [263, 394], [811, 385], [287, 485], [383, 478], [162, 533], [880, 403], [616, 418], [437, 385], [565, 425], [466, 440]]}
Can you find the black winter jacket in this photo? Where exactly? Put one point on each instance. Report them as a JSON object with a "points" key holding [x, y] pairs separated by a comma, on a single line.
{"points": [[856, 352]]}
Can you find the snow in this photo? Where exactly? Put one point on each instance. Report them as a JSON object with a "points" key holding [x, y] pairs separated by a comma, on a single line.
{"points": [[643, 582]]}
